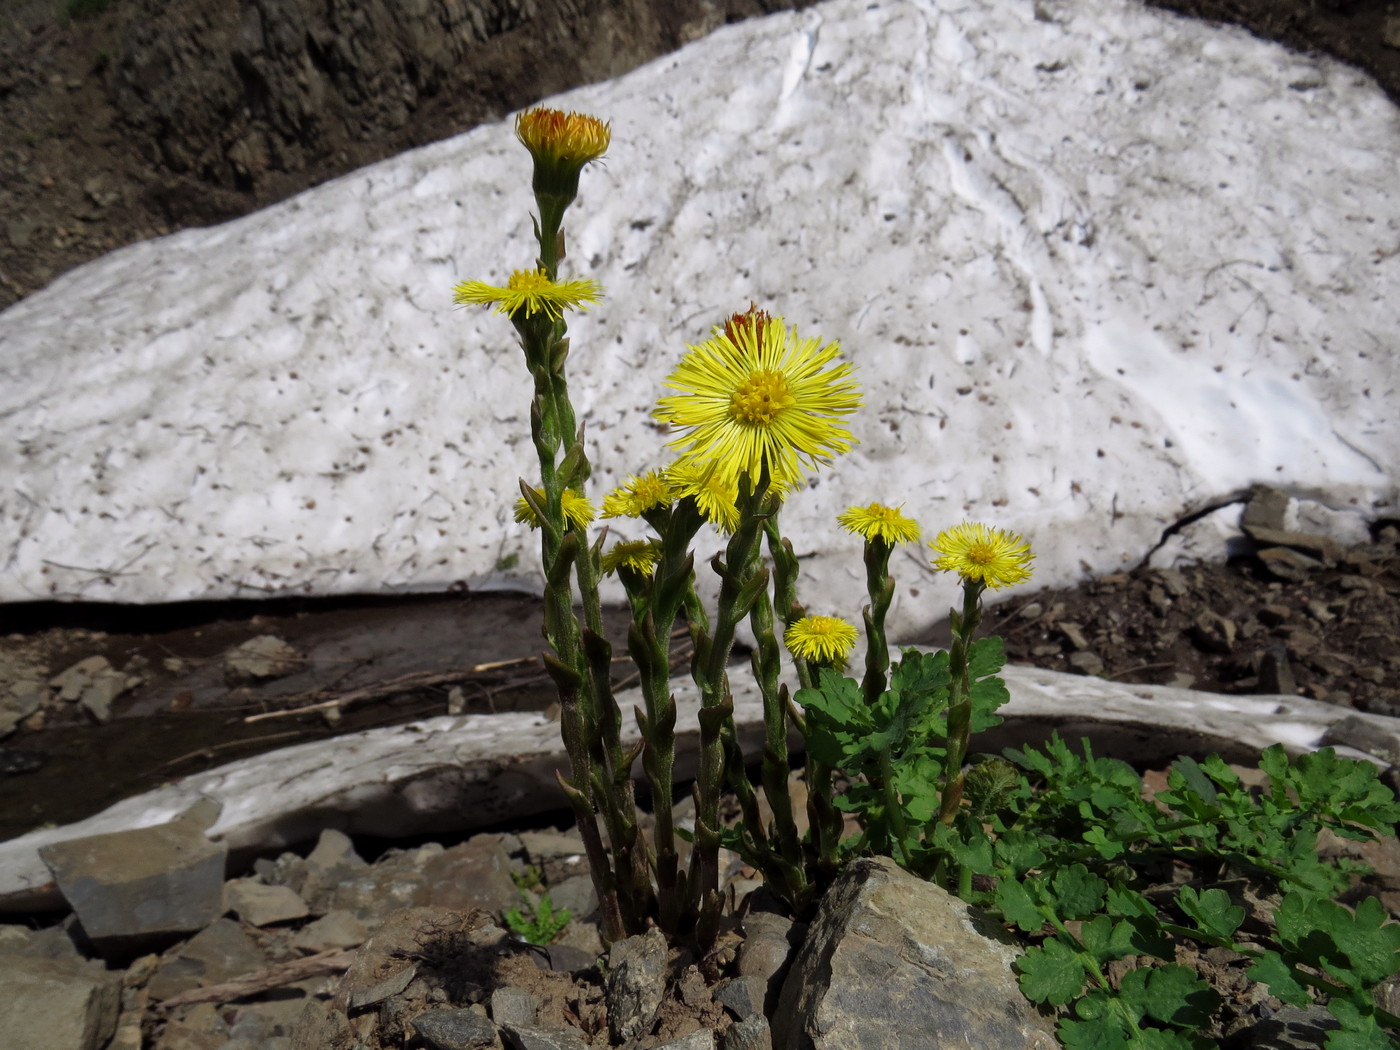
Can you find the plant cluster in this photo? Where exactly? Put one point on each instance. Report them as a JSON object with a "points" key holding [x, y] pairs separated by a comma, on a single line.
{"points": [[1062, 845]]}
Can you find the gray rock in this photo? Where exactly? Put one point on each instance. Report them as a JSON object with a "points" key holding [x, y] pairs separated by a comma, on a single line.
{"points": [[129, 885], [336, 929], [576, 895], [743, 996], [260, 658], [891, 961], [520, 1037], [768, 947], [262, 905], [475, 874], [636, 983], [1291, 1028], [557, 854], [753, 1033], [94, 684], [220, 952], [700, 1039], [53, 1005], [17, 703], [455, 1030], [515, 1006]]}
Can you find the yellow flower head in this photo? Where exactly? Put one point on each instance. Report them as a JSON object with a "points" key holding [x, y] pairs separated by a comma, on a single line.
{"points": [[976, 552], [637, 555], [878, 522], [756, 395], [637, 496], [716, 497], [531, 291], [557, 138], [578, 512], [821, 640]]}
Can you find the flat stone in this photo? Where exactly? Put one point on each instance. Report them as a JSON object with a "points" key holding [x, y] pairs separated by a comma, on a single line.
{"points": [[891, 959], [576, 895], [262, 905], [521, 1037], [455, 1030], [220, 952], [1322, 547], [515, 1006], [700, 1039], [261, 658], [475, 874], [335, 929], [53, 1005], [165, 880], [753, 1033], [743, 996]]}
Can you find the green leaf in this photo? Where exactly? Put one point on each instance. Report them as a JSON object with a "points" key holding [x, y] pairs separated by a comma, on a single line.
{"points": [[986, 656], [1139, 935], [1096, 936], [1161, 1039], [1077, 892], [1270, 969], [1171, 993], [1359, 1031], [1017, 906], [1100, 1033], [1212, 911], [921, 673], [1020, 851], [1051, 974]]}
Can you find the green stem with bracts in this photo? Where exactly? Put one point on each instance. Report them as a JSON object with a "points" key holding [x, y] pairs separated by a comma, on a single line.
{"points": [[964, 627]]}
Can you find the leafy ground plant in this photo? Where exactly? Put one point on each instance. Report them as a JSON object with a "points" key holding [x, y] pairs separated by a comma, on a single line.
{"points": [[536, 921]]}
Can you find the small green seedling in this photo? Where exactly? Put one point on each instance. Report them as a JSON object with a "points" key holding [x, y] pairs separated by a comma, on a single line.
{"points": [[537, 922]]}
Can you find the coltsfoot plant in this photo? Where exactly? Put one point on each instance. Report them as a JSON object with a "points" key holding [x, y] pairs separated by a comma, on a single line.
{"points": [[1060, 843]]}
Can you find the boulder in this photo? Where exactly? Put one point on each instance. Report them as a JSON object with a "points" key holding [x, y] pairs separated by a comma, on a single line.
{"points": [[51, 1004], [892, 962]]}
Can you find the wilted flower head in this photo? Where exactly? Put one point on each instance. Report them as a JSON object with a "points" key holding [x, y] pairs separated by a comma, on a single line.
{"points": [[578, 511], [821, 640], [531, 291], [756, 395], [991, 556], [879, 522]]}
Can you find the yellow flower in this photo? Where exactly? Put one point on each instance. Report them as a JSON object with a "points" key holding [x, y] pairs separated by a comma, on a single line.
{"points": [[557, 138], [637, 555], [878, 522], [757, 395], [531, 291], [976, 552], [578, 512], [637, 496], [821, 640], [716, 497]]}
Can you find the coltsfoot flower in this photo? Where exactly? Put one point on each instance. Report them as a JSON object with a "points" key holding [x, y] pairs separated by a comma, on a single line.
{"points": [[638, 555], [716, 497], [879, 522], [562, 139], [531, 291], [756, 395], [578, 511], [821, 640], [975, 552], [637, 495]]}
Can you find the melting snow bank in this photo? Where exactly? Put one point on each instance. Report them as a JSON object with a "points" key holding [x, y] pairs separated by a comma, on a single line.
{"points": [[456, 774], [1098, 267]]}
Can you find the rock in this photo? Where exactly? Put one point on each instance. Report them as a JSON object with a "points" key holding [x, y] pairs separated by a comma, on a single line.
{"points": [[260, 658], [575, 895], [515, 1006], [891, 959], [1288, 564], [556, 854], [1322, 547], [1267, 509], [1275, 672], [455, 1030], [335, 929], [94, 684], [744, 997], [328, 865], [261, 905], [1086, 661], [475, 874], [636, 983], [131, 886], [17, 704], [769, 942], [520, 1037], [1291, 1028], [53, 1005], [753, 1033], [1074, 632], [1213, 632], [700, 1039], [1390, 31], [220, 952]]}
